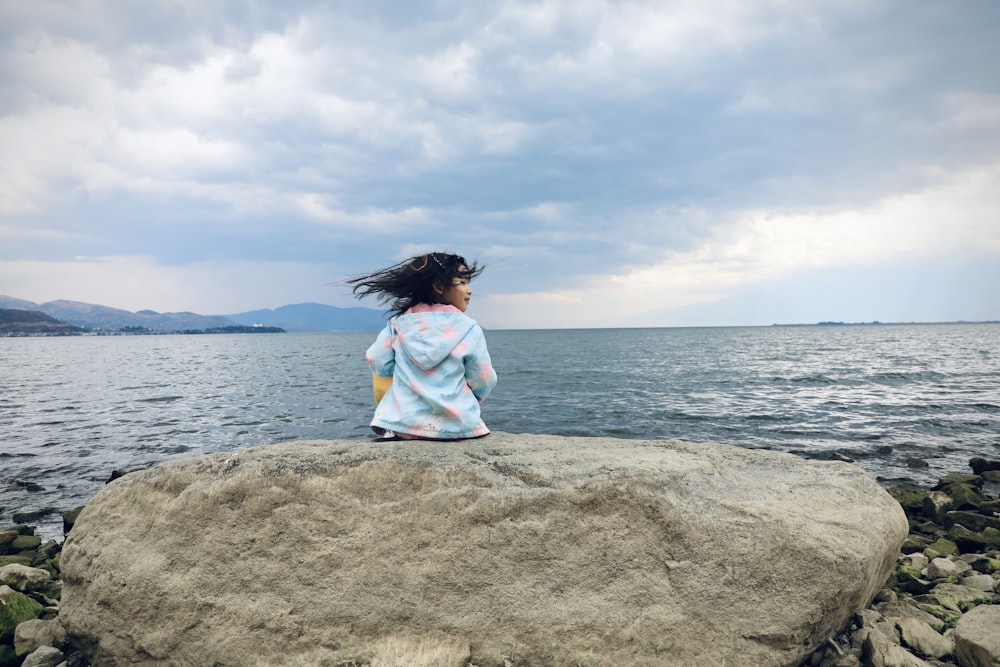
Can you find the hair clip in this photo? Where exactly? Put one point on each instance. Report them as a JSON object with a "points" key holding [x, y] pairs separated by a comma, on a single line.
{"points": [[438, 262]]}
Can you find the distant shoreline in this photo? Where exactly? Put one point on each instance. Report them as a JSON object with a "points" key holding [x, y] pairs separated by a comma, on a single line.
{"points": [[877, 323]]}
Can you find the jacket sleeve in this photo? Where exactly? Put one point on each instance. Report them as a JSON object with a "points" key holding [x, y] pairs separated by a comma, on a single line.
{"points": [[381, 357], [479, 371]]}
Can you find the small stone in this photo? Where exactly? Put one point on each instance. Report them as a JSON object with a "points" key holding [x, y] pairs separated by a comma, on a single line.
{"points": [[914, 543], [69, 518], [977, 637], [886, 595], [916, 560], [942, 547], [7, 537], [966, 496], [957, 597], [936, 503], [20, 559], [918, 586], [928, 528], [24, 579], [982, 564], [910, 496], [966, 540], [974, 521], [948, 616], [29, 635], [878, 651], [44, 656], [846, 660], [981, 582], [980, 465], [898, 610], [958, 478], [941, 568], [25, 543], [15, 608], [921, 637]]}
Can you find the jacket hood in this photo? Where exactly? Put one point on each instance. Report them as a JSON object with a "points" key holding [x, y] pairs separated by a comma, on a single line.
{"points": [[429, 333]]}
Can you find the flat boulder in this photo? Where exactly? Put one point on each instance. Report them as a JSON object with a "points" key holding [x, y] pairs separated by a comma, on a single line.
{"points": [[507, 550]]}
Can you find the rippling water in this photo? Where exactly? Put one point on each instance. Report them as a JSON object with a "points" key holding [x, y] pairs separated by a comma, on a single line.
{"points": [[902, 401]]}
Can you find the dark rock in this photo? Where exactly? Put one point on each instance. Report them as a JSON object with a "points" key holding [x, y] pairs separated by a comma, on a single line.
{"points": [[936, 504], [945, 547], [914, 543], [910, 496], [25, 543], [991, 507], [917, 462], [119, 473], [69, 518], [31, 517], [917, 586], [973, 520], [925, 528], [965, 496], [6, 538], [20, 559], [957, 478], [966, 540], [980, 465], [46, 553], [15, 607], [982, 564]]}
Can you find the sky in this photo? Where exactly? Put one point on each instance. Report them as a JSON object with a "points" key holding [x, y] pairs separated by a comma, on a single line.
{"points": [[613, 164]]}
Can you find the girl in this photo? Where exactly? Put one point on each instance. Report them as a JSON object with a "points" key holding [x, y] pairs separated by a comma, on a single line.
{"points": [[434, 354]]}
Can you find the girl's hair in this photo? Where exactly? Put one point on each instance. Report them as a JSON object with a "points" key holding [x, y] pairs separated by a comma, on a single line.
{"points": [[412, 281]]}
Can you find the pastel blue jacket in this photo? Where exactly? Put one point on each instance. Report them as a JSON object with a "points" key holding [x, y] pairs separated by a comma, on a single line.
{"points": [[440, 369]]}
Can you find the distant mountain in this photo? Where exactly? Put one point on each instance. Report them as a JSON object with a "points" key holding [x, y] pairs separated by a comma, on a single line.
{"points": [[15, 322], [102, 317], [302, 317], [299, 317]]}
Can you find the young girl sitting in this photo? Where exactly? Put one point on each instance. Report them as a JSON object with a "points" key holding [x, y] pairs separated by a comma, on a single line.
{"points": [[434, 354]]}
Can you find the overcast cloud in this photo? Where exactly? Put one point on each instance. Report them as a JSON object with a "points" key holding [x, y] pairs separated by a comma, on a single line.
{"points": [[615, 163]]}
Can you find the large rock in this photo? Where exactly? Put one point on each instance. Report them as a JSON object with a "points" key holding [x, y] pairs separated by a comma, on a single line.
{"points": [[512, 549], [977, 637]]}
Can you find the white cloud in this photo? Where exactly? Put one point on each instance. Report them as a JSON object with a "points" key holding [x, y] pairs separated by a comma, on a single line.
{"points": [[943, 223], [637, 151]]}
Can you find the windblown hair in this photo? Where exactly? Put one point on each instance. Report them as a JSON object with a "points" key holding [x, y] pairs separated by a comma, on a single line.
{"points": [[412, 281]]}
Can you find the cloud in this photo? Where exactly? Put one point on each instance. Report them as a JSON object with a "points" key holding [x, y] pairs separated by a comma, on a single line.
{"points": [[931, 227], [591, 150]]}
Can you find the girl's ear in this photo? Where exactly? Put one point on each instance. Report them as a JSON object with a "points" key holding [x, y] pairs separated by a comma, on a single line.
{"points": [[438, 287]]}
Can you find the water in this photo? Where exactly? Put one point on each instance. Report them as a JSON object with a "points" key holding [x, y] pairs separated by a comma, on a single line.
{"points": [[889, 398]]}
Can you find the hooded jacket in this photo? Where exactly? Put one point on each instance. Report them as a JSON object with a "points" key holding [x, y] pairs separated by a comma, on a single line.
{"points": [[440, 369]]}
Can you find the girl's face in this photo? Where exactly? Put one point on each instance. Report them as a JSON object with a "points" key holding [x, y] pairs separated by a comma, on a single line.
{"points": [[458, 294]]}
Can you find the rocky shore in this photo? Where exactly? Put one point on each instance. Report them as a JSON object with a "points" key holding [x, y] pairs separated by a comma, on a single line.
{"points": [[940, 606]]}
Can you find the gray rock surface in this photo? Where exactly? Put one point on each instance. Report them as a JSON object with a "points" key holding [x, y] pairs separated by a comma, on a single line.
{"points": [[23, 578], [977, 637], [920, 636], [44, 656], [30, 635], [512, 549]]}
